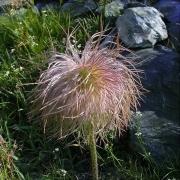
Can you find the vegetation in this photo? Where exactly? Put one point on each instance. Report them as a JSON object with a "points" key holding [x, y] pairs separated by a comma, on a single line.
{"points": [[27, 39], [86, 92]]}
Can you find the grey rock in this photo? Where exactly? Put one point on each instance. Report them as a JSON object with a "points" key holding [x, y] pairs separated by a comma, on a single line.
{"points": [[161, 79], [170, 9], [42, 6], [160, 136], [135, 4], [114, 9], [145, 2], [171, 12], [77, 8], [108, 41], [4, 4], [161, 69], [174, 34], [159, 124], [141, 27]]}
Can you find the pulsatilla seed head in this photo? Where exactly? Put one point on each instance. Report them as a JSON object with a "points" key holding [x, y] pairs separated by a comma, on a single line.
{"points": [[96, 85]]}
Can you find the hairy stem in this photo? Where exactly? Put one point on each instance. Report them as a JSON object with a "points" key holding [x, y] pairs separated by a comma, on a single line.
{"points": [[93, 152]]}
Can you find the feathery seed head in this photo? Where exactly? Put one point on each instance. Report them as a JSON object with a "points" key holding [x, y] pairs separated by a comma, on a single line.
{"points": [[89, 86]]}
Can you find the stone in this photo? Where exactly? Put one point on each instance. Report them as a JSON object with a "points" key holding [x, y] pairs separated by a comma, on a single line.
{"points": [[174, 35], [135, 4], [159, 124], [4, 4], [171, 12], [170, 9], [161, 79], [161, 69], [141, 27], [108, 41], [77, 8], [114, 9], [44, 5], [160, 136]]}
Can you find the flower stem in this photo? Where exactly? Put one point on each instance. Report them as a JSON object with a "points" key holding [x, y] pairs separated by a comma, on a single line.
{"points": [[93, 152]]}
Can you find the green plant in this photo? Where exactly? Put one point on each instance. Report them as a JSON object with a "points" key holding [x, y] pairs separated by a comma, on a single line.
{"points": [[26, 38], [8, 169], [90, 93]]}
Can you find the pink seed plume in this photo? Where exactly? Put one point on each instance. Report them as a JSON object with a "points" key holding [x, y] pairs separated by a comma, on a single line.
{"points": [[97, 85]]}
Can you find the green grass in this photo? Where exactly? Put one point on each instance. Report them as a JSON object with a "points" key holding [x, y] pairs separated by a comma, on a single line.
{"points": [[26, 41]]}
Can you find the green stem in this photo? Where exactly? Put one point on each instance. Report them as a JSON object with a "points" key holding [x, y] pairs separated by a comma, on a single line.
{"points": [[93, 152]]}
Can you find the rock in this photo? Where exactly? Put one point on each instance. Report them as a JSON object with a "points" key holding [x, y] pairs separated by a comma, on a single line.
{"points": [[108, 41], [3, 5], [171, 11], [135, 4], [174, 34], [79, 7], [160, 136], [161, 78], [159, 124], [5, 2], [141, 27], [75, 7], [161, 69], [140, 2], [43, 5], [114, 9]]}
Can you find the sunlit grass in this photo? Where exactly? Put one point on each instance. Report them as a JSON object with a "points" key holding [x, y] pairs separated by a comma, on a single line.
{"points": [[8, 169]]}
